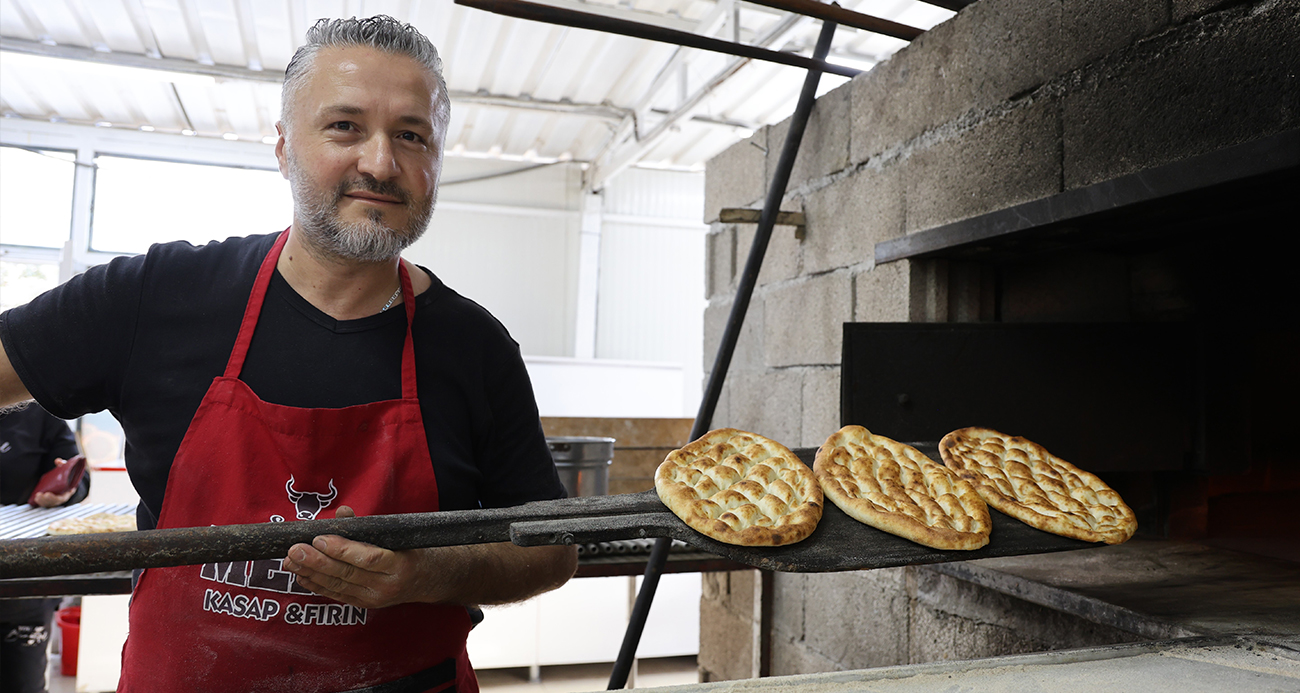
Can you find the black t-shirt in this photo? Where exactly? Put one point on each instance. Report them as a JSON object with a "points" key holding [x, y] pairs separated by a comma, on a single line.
{"points": [[143, 337], [30, 441]]}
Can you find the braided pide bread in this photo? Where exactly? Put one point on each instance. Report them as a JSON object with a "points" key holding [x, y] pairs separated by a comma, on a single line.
{"points": [[893, 487], [99, 523], [741, 488], [1024, 480]]}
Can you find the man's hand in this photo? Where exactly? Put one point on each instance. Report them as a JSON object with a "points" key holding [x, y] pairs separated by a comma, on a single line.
{"points": [[46, 499], [371, 577], [353, 572]]}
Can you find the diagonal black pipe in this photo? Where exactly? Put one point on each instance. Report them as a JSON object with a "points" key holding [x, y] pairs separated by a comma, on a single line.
{"points": [[585, 20], [749, 277], [954, 5]]}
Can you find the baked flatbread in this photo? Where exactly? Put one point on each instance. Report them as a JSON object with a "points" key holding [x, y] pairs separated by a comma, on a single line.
{"points": [[894, 488], [99, 523], [741, 488], [1024, 480]]}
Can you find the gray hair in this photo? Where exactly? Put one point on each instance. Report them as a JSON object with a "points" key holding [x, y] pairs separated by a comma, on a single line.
{"points": [[380, 32]]}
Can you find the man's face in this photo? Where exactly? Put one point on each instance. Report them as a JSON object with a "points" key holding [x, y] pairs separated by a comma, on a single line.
{"points": [[363, 153]]}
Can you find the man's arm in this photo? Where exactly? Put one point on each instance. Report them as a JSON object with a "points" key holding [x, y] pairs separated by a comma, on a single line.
{"points": [[12, 390], [367, 576]]}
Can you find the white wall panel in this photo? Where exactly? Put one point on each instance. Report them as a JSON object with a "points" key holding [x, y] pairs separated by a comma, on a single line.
{"points": [[507, 637], [515, 266], [605, 388], [583, 621], [667, 633], [557, 186], [645, 192], [651, 292], [509, 243], [651, 295]]}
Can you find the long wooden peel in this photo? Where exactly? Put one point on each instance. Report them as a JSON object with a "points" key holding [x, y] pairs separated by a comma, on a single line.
{"points": [[91, 553], [838, 543]]}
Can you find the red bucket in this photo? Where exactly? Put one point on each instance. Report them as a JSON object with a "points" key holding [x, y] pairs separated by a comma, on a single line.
{"points": [[70, 632]]}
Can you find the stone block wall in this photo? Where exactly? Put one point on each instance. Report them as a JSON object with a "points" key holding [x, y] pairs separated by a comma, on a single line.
{"points": [[874, 618], [729, 620], [1005, 103]]}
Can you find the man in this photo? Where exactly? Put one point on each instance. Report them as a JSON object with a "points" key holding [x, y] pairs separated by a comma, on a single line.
{"points": [[31, 443], [272, 378]]}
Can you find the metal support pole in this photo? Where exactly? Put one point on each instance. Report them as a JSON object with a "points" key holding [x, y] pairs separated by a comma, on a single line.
{"points": [[585, 20], [843, 17], [771, 207]]}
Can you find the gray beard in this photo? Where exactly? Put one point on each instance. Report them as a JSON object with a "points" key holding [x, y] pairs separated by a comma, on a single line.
{"points": [[370, 240]]}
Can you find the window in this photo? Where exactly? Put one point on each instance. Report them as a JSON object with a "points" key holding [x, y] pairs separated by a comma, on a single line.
{"points": [[140, 202], [35, 220], [36, 186], [20, 282]]}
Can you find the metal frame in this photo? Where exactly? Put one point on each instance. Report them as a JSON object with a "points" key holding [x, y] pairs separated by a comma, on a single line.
{"points": [[835, 13], [780, 179], [730, 335], [815, 66], [585, 20]]}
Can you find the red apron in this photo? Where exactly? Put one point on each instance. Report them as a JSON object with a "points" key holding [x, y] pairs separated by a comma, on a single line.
{"points": [[247, 626]]}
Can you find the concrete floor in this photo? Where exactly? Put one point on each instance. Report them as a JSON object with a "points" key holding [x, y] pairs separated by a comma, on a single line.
{"points": [[1181, 589], [57, 682], [1173, 588], [1195, 666], [575, 678]]}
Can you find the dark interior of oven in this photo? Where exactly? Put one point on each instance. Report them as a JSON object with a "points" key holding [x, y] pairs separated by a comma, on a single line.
{"points": [[1155, 345]]}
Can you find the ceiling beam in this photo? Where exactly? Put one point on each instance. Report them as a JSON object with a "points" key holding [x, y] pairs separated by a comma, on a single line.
{"points": [[522, 9], [710, 120], [231, 72], [844, 17], [188, 67], [954, 5], [248, 34], [194, 26], [143, 29], [591, 110], [86, 23], [628, 147], [665, 21], [718, 17], [32, 23], [723, 15]]}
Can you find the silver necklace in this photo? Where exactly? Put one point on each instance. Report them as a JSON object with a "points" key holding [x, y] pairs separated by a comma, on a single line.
{"points": [[390, 301]]}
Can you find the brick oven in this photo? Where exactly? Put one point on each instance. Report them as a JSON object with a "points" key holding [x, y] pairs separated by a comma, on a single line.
{"points": [[1103, 167]]}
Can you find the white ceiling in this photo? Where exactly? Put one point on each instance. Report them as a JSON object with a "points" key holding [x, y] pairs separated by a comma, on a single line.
{"points": [[521, 90]]}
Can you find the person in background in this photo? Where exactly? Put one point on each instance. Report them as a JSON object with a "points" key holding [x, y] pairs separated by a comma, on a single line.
{"points": [[32, 442], [311, 373]]}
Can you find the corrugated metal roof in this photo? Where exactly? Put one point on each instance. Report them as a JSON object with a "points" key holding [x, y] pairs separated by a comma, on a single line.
{"points": [[520, 90]]}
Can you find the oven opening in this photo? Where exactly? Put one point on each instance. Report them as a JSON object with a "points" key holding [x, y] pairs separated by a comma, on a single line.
{"points": [[1155, 344]]}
